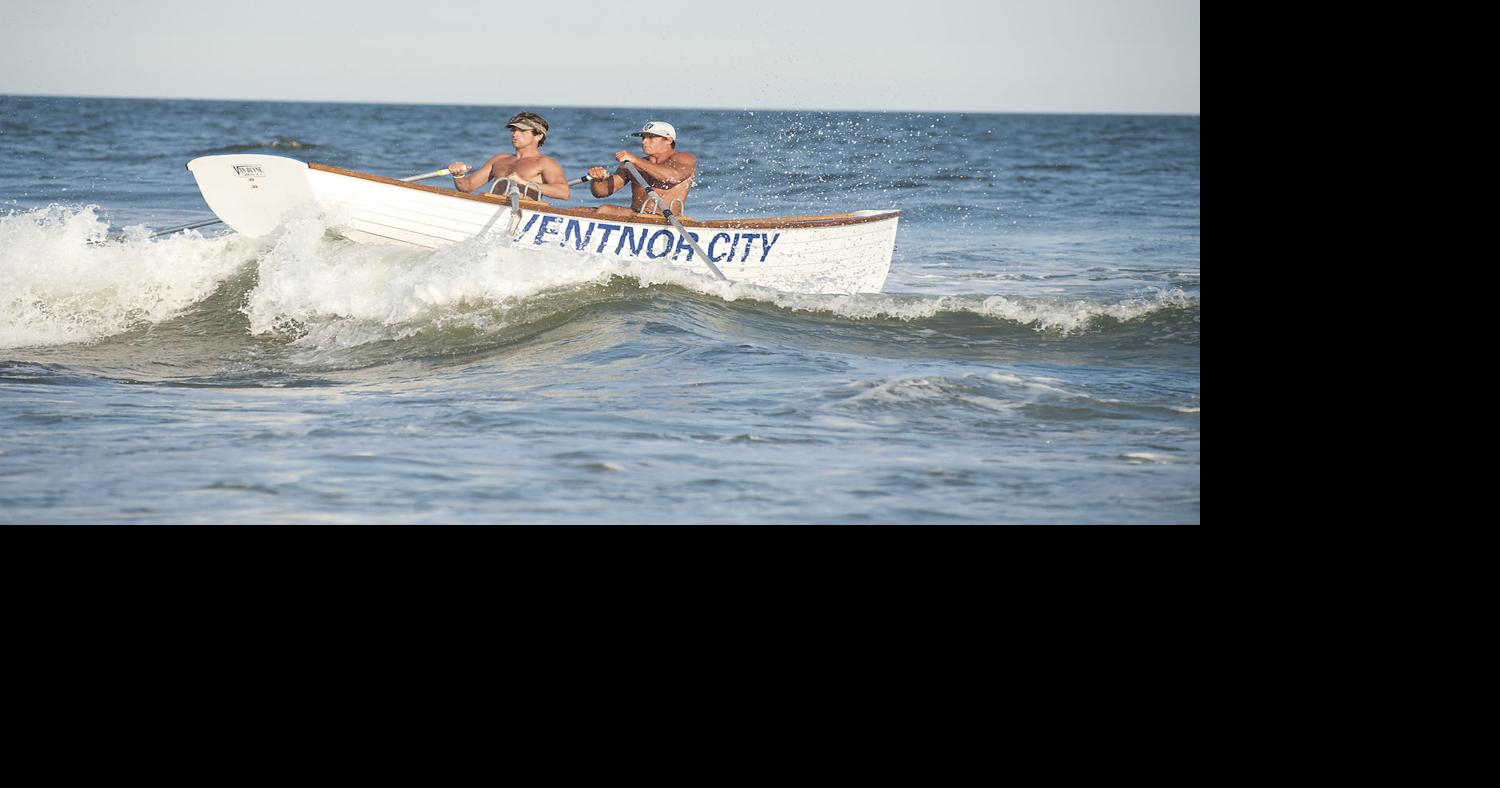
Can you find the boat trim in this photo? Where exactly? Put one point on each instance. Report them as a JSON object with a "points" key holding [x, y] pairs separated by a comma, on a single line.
{"points": [[828, 220]]}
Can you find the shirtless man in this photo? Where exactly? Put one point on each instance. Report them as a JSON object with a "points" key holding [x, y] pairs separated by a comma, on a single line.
{"points": [[669, 171], [533, 173]]}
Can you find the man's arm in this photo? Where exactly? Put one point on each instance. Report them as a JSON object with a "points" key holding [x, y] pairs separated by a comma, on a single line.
{"points": [[604, 182], [478, 177], [676, 169]]}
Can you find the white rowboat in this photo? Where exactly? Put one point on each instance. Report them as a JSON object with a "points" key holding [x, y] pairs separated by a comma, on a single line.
{"points": [[837, 253]]}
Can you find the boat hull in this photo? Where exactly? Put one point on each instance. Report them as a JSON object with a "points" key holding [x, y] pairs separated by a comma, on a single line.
{"points": [[838, 253]]}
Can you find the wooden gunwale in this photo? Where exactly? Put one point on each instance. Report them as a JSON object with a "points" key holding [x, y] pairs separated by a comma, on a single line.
{"points": [[829, 220]]}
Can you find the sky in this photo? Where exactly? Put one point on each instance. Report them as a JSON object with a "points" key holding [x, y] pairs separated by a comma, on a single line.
{"points": [[1032, 56]]}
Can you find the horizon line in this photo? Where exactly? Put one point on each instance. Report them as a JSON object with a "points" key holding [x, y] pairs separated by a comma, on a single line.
{"points": [[604, 106]]}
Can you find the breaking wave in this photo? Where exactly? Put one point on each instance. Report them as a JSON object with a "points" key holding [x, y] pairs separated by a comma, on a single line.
{"points": [[64, 282]]}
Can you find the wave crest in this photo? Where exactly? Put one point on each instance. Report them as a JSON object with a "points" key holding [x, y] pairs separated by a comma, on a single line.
{"points": [[62, 279], [1062, 316]]}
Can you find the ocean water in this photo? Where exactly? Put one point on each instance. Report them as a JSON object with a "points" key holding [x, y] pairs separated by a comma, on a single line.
{"points": [[1034, 356]]}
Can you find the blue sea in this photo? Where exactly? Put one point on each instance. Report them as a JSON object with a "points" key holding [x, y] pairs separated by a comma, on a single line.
{"points": [[1034, 356]]}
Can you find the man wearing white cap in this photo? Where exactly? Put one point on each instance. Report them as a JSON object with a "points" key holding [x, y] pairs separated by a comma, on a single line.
{"points": [[669, 171], [535, 175]]}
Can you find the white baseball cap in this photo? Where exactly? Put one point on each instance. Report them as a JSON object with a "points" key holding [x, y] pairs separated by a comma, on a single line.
{"points": [[657, 127]]}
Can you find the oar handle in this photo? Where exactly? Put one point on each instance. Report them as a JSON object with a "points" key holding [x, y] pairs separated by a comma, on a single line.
{"points": [[667, 212]]}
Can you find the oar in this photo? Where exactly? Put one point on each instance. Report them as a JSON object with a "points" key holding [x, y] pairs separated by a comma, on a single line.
{"points": [[170, 230], [159, 233], [515, 204], [667, 212]]}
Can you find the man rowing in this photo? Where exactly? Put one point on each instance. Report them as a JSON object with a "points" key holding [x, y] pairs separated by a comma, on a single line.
{"points": [[533, 174], [669, 171]]}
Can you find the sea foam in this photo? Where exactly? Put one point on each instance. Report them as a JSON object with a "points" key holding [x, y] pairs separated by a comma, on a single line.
{"points": [[63, 280]]}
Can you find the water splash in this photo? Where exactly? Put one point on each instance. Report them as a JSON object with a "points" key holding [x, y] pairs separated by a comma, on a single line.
{"points": [[62, 280]]}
